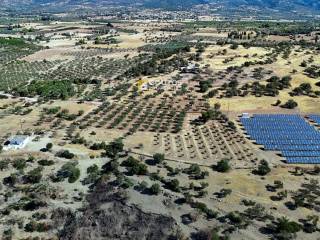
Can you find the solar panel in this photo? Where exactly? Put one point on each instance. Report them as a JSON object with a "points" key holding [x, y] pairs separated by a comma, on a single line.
{"points": [[296, 139]]}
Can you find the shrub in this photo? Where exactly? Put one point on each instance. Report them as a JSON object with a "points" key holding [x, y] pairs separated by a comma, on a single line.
{"points": [[285, 228], [173, 185], [290, 104], [155, 189], [65, 154], [134, 167], [19, 164], [158, 158], [45, 162], [114, 148], [70, 171], [223, 166], [263, 168], [49, 146], [4, 164], [34, 176], [111, 166]]}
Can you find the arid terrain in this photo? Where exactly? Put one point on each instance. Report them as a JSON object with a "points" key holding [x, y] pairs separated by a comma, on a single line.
{"points": [[132, 129]]}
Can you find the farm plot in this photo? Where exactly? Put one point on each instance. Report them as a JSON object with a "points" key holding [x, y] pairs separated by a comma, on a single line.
{"points": [[18, 72], [162, 114], [8, 54], [95, 52], [85, 69], [206, 145]]}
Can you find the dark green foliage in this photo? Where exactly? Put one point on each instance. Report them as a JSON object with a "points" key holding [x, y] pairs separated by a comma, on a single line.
{"points": [[10, 180], [303, 89], [283, 228], [98, 146], [63, 89], [34, 176], [17, 42], [159, 62], [155, 189], [65, 154], [114, 148], [248, 202], [223, 193], [93, 174], [111, 167], [34, 226], [28, 204], [211, 114], [263, 168], [203, 208], [93, 169], [51, 111], [45, 162], [313, 71], [19, 164], [134, 167], [195, 172], [158, 158], [205, 85], [49, 146], [222, 166], [173, 185], [4, 164], [70, 171], [290, 104]]}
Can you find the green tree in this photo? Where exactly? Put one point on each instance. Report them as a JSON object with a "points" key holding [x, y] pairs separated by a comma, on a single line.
{"points": [[223, 166], [158, 158], [263, 168]]}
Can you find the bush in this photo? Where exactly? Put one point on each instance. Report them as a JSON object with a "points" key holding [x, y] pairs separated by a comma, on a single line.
{"points": [[4, 164], [114, 148], [173, 185], [285, 228], [49, 146], [263, 168], [93, 169], [158, 158], [34, 176], [38, 227], [155, 189], [223, 166], [290, 104], [74, 175], [111, 166], [93, 174], [19, 164], [70, 171], [45, 162], [65, 154], [134, 167]]}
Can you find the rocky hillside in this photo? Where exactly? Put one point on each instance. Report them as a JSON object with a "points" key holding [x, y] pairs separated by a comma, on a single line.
{"points": [[108, 216]]}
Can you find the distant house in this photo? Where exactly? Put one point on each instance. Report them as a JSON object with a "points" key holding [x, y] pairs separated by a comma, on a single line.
{"points": [[16, 142], [191, 68], [144, 87]]}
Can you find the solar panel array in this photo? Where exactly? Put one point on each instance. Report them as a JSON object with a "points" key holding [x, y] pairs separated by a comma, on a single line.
{"points": [[315, 118], [292, 135]]}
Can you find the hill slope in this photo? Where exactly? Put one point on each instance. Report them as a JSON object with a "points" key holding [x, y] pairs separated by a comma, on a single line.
{"points": [[272, 5]]}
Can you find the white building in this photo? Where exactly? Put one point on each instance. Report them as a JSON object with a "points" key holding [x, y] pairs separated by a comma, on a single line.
{"points": [[16, 142]]}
